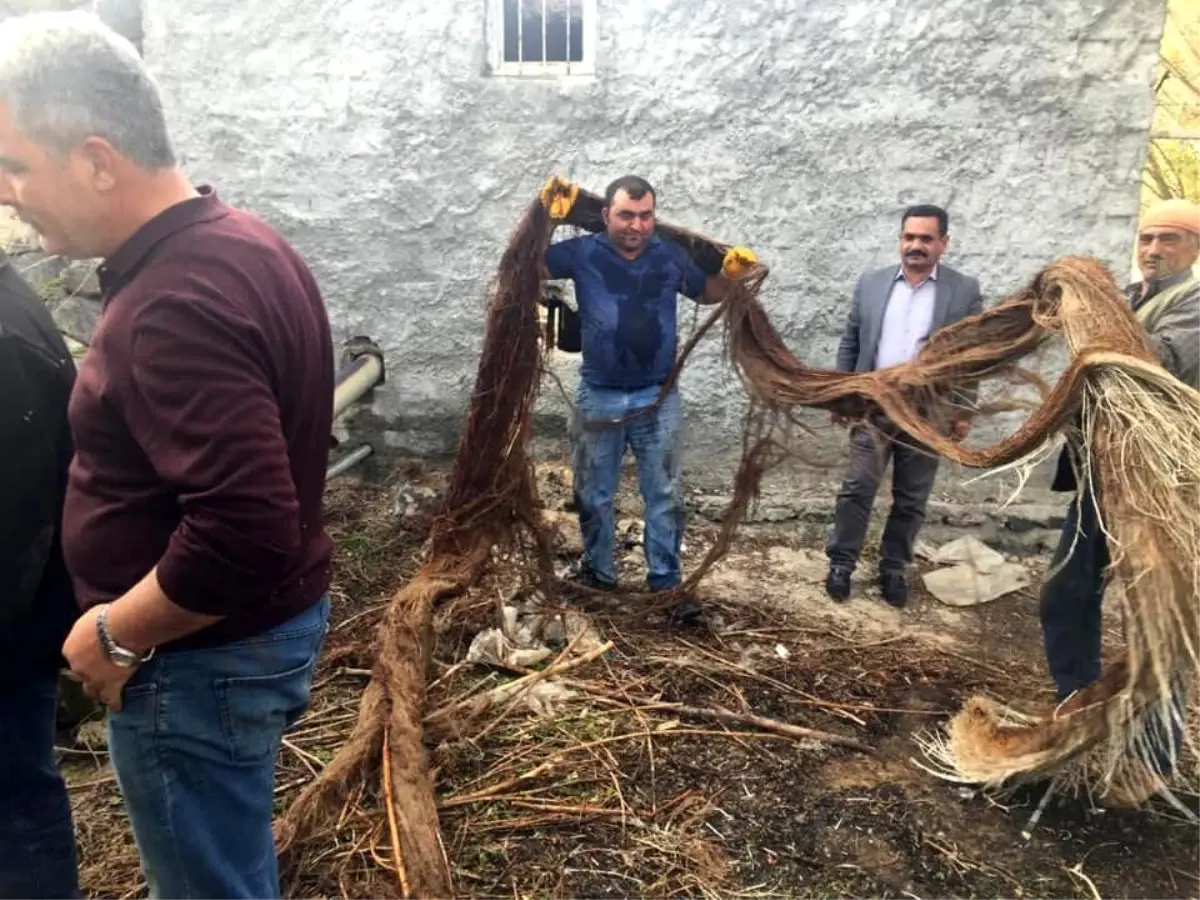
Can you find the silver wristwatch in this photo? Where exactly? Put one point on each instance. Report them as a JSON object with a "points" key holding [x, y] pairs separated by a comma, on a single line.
{"points": [[117, 655]]}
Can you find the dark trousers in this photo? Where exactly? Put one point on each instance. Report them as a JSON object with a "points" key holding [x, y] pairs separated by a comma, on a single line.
{"points": [[914, 469], [1071, 611], [37, 839]]}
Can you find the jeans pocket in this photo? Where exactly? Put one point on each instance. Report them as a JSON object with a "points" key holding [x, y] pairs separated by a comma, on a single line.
{"points": [[140, 700], [257, 709]]}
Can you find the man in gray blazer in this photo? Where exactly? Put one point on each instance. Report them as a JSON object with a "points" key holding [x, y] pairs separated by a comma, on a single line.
{"points": [[893, 312]]}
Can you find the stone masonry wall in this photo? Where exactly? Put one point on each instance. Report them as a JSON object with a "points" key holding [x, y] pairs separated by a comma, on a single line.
{"points": [[369, 133]]}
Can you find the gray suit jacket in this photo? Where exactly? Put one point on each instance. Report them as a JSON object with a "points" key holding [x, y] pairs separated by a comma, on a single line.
{"points": [[956, 297]]}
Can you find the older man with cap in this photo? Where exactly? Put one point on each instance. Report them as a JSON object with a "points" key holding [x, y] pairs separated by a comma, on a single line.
{"points": [[1167, 304]]}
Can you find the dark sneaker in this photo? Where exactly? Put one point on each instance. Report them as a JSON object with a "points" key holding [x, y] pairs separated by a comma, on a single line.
{"points": [[837, 583], [894, 587], [586, 578]]}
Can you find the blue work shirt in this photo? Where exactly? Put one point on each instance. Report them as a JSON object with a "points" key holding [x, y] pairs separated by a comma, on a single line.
{"points": [[626, 307]]}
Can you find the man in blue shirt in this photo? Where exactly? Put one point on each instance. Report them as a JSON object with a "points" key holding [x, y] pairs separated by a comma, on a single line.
{"points": [[626, 281]]}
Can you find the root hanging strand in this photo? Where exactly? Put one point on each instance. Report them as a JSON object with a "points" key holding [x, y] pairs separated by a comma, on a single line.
{"points": [[1138, 429]]}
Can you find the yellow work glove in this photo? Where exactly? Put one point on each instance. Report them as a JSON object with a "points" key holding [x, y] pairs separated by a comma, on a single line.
{"points": [[737, 262], [558, 196]]}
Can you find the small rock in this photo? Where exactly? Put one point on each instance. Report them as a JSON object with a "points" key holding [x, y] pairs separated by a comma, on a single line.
{"points": [[409, 499], [782, 652], [631, 532], [555, 634], [1032, 516], [963, 518]]}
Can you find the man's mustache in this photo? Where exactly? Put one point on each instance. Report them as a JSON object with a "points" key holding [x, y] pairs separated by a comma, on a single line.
{"points": [[920, 253]]}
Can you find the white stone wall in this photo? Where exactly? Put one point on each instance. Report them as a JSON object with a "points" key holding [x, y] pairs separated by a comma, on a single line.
{"points": [[369, 133]]}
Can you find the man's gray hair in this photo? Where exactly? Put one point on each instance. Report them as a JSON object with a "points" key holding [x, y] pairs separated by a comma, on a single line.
{"points": [[66, 76]]}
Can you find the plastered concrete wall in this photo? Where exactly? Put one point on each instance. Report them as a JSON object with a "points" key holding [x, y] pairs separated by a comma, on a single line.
{"points": [[369, 133]]}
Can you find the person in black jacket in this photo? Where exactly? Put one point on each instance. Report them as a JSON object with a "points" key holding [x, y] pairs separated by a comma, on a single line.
{"points": [[37, 603]]}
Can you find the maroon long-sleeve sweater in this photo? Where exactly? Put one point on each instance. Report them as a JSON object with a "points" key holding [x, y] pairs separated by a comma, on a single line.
{"points": [[201, 417]]}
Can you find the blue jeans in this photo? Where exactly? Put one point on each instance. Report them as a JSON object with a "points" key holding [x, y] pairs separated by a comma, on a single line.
{"points": [[1071, 612], [37, 838], [194, 747], [656, 440]]}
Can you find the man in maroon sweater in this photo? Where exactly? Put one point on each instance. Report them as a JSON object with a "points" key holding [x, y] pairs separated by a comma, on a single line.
{"points": [[201, 418]]}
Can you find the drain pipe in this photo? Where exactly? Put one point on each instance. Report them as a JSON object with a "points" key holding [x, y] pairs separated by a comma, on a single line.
{"points": [[349, 461], [362, 369]]}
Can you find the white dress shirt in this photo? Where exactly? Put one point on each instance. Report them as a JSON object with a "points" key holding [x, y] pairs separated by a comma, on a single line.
{"points": [[907, 320]]}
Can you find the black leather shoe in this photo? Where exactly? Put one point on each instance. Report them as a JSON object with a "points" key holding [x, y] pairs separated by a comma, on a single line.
{"points": [[837, 583], [894, 587]]}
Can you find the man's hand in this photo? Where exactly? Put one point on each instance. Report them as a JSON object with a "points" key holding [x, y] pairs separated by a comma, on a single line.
{"points": [[738, 261], [558, 196], [101, 679], [959, 429]]}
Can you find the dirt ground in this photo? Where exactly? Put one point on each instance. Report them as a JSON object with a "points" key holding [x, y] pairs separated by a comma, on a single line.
{"points": [[622, 781]]}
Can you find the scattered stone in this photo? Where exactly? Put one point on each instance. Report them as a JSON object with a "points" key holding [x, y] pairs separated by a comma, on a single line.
{"points": [[963, 518], [631, 532], [782, 652], [81, 277], [1032, 516], [555, 634], [1033, 542], [411, 499]]}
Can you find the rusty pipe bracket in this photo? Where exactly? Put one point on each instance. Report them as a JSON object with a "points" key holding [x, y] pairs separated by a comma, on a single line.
{"points": [[362, 371], [355, 348]]}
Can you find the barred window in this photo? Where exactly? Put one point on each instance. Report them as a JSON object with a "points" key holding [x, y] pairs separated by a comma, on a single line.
{"points": [[542, 37]]}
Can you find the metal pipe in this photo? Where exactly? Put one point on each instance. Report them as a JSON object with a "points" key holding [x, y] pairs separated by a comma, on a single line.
{"points": [[355, 379], [348, 461]]}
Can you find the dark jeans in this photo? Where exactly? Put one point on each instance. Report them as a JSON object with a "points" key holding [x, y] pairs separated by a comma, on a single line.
{"points": [[37, 838], [1071, 611], [914, 469]]}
